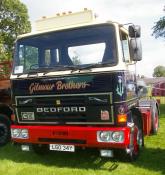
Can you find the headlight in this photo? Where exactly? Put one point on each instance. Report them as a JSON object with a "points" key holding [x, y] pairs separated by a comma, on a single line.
{"points": [[118, 136], [15, 133], [25, 133], [19, 133], [103, 136], [110, 136]]}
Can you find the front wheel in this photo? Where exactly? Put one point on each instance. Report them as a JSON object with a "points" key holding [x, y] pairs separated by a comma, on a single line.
{"points": [[137, 140], [154, 120], [4, 130], [133, 151]]}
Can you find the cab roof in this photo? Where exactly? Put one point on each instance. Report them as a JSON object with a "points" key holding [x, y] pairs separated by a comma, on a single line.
{"points": [[65, 21]]}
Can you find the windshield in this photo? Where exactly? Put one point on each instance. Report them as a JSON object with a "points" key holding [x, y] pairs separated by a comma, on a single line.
{"points": [[61, 50]]}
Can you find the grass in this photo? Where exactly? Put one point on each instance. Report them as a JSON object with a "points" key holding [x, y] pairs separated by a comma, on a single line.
{"points": [[151, 161]]}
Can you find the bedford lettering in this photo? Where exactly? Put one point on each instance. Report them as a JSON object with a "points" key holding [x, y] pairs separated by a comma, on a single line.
{"points": [[62, 109]]}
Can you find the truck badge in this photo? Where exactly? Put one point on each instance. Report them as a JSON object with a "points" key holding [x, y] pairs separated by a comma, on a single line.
{"points": [[58, 102], [120, 88], [104, 115]]}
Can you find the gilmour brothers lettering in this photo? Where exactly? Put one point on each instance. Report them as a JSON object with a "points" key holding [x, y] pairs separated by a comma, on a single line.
{"points": [[35, 87], [59, 85], [71, 85]]}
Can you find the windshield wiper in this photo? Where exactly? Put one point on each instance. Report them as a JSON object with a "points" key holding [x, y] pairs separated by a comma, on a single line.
{"points": [[89, 67], [73, 68], [49, 69], [60, 67], [46, 70]]}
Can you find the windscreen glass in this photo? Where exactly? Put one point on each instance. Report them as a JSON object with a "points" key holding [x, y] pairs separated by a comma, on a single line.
{"points": [[66, 49]]}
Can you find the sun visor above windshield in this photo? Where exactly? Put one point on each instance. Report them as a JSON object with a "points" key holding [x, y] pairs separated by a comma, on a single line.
{"points": [[64, 19]]}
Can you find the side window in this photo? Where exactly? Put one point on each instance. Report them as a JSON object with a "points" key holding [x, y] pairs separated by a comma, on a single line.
{"points": [[125, 46]]}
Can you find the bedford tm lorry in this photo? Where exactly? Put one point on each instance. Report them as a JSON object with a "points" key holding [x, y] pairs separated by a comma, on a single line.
{"points": [[73, 86], [5, 102]]}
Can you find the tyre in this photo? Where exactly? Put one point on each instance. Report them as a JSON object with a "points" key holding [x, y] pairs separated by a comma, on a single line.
{"points": [[40, 149], [4, 130], [154, 120], [133, 151]]}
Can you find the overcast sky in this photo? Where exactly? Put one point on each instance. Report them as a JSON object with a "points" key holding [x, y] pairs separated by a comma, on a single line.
{"points": [[143, 12]]}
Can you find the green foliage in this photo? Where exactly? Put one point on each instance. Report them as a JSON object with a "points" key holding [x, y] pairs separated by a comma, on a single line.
{"points": [[14, 20], [5, 71], [28, 56], [3, 53], [159, 28], [159, 71]]}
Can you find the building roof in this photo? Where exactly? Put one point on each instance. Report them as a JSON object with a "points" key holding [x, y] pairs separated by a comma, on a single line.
{"points": [[152, 81]]}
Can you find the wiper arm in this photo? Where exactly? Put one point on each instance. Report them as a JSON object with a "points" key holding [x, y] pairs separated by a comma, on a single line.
{"points": [[60, 67], [88, 67], [45, 70], [49, 69], [63, 67]]}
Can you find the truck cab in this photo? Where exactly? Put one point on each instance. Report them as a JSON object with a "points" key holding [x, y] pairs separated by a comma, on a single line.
{"points": [[74, 85]]}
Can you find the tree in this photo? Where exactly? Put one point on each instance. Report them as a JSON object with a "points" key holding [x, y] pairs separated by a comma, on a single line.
{"points": [[76, 60], [159, 71], [159, 28], [14, 21]]}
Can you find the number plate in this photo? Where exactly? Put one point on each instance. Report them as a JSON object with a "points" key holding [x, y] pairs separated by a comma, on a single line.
{"points": [[59, 147]]}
